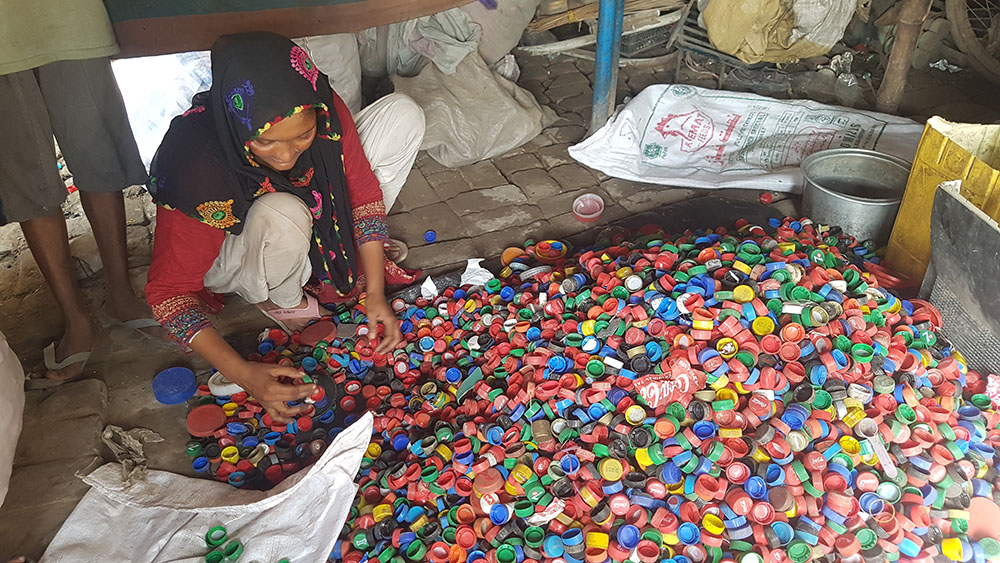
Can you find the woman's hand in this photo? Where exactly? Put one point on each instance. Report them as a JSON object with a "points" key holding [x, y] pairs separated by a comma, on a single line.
{"points": [[261, 381], [379, 311]]}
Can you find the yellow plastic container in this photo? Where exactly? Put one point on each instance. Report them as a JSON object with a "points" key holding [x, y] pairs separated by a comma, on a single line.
{"points": [[947, 151]]}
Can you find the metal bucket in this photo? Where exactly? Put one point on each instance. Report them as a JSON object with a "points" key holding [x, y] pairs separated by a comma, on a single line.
{"points": [[858, 190]]}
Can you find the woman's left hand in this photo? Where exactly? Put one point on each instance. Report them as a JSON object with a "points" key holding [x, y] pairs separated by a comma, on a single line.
{"points": [[379, 311]]}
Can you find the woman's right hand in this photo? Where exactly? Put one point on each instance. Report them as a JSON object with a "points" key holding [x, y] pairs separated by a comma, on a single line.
{"points": [[261, 381]]}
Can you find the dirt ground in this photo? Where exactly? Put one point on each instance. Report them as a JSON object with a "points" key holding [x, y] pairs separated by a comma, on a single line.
{"points": [[476, 211]]}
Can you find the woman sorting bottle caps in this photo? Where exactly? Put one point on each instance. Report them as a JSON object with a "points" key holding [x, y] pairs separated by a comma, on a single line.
{"points": [[268, 188]]}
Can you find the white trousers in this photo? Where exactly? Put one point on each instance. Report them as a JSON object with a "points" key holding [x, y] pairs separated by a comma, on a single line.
{"points": [[270, 258]]}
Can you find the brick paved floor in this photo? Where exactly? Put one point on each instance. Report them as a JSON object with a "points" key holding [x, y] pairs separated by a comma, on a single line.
{"points": [[480, 209]]}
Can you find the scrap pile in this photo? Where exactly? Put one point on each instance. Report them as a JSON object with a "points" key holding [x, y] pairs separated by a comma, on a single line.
{"points": [[749, 396]]}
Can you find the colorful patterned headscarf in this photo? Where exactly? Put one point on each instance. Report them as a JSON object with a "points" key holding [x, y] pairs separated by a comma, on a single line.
{"points": [[205, 168]]}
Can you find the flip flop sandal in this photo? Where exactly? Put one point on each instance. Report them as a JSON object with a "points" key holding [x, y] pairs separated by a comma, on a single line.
{"points": [[311, 311], [139, 324], [49, 354]]}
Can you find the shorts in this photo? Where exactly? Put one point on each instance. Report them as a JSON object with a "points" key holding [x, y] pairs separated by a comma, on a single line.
{"points": [[79, 103]]}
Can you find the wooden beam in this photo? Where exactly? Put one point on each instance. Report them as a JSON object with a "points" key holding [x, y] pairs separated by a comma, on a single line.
{"points": [[158, 36], [911, 21]]}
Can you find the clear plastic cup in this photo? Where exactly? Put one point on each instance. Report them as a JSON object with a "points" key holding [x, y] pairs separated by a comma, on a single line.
{"points": [[588, 207]]}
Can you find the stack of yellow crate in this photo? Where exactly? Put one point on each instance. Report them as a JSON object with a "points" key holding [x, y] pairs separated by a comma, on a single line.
{"points": [[947, 151]]}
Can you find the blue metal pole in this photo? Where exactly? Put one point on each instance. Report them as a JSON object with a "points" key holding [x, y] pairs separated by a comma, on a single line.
{"points": [[609, 35]]}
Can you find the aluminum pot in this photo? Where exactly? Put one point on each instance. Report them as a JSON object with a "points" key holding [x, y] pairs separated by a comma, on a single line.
{"points": [[856, 189]]}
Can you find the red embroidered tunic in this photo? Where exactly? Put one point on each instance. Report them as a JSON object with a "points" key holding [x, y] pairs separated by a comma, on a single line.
{"points": [[184, 248]]}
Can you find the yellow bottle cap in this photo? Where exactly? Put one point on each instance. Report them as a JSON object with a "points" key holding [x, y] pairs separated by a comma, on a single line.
{"points": [[599, 540], [635, 414], [713, 524], [642, 457], [763, 326], [610, 469], [727, 347], [381, 512], [743, 294]]}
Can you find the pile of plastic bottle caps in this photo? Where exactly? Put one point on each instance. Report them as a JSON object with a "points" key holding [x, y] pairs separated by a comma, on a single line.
{"points": [[748, 394]]}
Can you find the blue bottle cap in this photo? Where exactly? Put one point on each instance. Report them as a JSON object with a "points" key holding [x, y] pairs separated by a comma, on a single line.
{"points": [[628, 536], [688, 533], [430, 236], [572, 536], [427, 344], [494, 435], [553, 546], [200, 464], [569, 464], [400, 442], [174, 386], [755, 487], [499, 514], [783, 531]]}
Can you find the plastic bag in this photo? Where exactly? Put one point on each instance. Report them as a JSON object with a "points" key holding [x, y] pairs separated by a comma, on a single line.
{"points": [[475, 274], [767, 30], [502, 27], [473, 114], [11, 410], [507, 68], [428, 289], [157, 89], [684, 136], [165, 518]]}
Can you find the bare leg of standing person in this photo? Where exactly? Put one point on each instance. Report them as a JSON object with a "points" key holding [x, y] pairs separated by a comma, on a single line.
{"points": [[92, 128], [49, 243], [106, 213]]}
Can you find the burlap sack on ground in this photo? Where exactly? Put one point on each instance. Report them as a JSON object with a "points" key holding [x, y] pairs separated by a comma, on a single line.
{"points": [[777, 31]]}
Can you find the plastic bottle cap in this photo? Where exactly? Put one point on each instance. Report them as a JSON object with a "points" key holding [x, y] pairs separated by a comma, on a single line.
{"points": [[318, 331], [174, 386], [553, 407], [204, 420]]}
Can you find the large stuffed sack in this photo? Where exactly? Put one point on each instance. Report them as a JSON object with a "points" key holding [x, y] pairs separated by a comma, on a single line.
{"points": [[163, 518], [337, 57], [502, 26], [776, 31], [11, 409], [474, 113]]}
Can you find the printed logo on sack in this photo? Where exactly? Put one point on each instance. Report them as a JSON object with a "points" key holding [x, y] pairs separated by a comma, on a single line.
{"points": [[652, 150], [694, 129]]}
